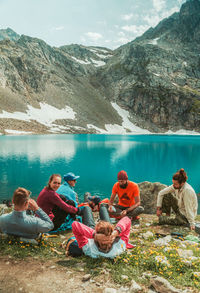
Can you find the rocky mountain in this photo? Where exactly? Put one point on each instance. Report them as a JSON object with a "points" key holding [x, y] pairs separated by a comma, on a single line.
{"points": [[75, 88], [156, 77], [8, 34]]}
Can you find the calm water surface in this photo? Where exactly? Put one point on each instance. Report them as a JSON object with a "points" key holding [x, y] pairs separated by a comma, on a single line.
{"points": [[28, 161]]}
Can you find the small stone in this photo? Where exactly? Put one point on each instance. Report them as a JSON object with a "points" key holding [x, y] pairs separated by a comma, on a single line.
{"points": [[110, 290], [52, 267], [123, 289], [81, 270], [124, 277], [134, 287], [98, 284], [86, 277]]}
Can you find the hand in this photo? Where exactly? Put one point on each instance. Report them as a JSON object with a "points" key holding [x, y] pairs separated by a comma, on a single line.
{"points": [[123, 213], [33, 205], [159, 212], [114, 235], [104, 242], [102, 238], [192, 227], [110, 209]]}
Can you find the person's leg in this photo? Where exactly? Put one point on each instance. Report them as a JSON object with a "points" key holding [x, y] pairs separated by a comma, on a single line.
{"points": [[136, 212], [118, 209], [179, 220], [170, 202], [60, 215], [88, 218], [124, 225], [82, 233], [103, 213]]}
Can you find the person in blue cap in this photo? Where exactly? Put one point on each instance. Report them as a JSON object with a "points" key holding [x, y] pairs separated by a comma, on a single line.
{"points": [[67, 188]]}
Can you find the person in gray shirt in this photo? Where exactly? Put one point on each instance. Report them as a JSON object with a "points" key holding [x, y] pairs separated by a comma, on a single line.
{"points": [[20, 224]]}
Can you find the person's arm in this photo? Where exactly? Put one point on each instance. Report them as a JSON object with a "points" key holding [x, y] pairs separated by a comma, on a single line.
{"points": [[189, 207], [129, 209], [112, 198], [44, 223], [82, 233], [56, 200], [160, 198]]}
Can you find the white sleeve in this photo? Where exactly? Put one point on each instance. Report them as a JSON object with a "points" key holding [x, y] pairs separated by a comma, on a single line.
{"points": [[188, 199], [162, 193]]}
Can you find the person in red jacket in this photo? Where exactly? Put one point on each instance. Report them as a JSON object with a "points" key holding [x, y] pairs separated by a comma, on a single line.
{"points": [[48, 199], [129, 198]]}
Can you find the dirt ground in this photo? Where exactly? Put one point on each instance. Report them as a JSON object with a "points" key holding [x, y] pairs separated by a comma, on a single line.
{"points": [[31, 276]]}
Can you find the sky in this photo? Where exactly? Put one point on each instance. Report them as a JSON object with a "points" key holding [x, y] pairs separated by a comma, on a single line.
{"points": [[105, 23]]}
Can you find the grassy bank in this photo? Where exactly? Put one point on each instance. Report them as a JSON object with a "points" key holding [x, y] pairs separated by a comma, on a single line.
{"points": [[140, 263]]}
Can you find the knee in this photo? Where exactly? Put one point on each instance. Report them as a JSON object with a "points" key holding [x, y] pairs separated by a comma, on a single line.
{"points": [[75, 225], [140, 209]]}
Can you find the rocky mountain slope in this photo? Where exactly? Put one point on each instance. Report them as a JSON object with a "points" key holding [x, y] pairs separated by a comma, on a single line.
{"points": [[156, 77], [82, 89]]}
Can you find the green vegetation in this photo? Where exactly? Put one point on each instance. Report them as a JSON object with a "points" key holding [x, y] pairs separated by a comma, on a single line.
{"points": [[140, 263]]}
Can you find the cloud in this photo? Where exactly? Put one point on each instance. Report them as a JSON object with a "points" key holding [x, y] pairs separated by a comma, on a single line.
{"points": [[121, 34], [153, 19], [93, 36], [135, 29], [158, 5], [59, 28], [127, 16]]}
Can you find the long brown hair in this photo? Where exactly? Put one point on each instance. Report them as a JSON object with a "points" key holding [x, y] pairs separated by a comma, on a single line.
{"points": [[51, 179], [180, 176]]}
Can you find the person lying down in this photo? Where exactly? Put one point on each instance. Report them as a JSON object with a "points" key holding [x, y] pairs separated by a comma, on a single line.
{"points": [[104, 240]]}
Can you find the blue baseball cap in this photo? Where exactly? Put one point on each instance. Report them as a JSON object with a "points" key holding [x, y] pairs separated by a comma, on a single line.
{"points": [[70, 176]]}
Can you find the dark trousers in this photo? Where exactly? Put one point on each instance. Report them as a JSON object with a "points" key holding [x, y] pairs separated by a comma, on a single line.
{"points": [[132, 214], [169, 203], [60, 215], [88, 218]]}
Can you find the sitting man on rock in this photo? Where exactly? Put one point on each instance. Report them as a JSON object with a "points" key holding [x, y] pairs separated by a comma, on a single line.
{"points": [[129, 198], [20, 224], [181, 197]]}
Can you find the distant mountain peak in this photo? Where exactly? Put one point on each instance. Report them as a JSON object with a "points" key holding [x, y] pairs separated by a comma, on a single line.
{"points": [[8, 33]]}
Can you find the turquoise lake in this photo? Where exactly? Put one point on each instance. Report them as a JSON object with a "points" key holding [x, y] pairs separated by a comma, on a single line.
{"points": [[28, 161]]}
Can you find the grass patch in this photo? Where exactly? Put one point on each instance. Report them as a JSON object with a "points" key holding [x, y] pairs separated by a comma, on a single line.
{"points": [[140, 263]]}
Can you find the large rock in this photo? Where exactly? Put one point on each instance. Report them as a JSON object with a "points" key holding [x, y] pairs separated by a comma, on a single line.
{"points": [[148, 193], [163, 286]]}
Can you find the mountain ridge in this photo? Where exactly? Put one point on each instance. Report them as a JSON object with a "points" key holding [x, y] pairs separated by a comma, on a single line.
{"points": [[154, 77]]}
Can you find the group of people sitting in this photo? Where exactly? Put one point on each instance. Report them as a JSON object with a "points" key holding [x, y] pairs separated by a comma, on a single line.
{"points": [[58, 204]]}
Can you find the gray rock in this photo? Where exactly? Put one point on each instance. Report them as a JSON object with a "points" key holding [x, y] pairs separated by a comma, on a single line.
{"points": [[148, 193], [161, 285], [86, 277], [135, 287]]}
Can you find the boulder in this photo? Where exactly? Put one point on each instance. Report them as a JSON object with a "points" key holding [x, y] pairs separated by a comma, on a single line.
{"points": [[161, 285], [148, 193]]}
